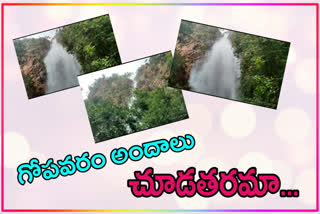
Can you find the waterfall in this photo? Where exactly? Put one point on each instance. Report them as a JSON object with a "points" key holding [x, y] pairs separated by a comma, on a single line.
{"points": [[217, 74], [62, 68]]}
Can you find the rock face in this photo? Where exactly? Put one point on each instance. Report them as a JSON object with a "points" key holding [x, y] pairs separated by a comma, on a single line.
{"points": [[155, 73], [31, 53], [193, 50], [191, 54], [194, 42], [116, 88]]}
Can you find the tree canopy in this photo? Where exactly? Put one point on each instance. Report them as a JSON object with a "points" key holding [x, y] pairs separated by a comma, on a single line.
{"points": [[92, 42], [262, 68]]}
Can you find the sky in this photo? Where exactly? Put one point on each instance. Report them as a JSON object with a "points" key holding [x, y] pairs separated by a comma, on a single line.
{"points": [[88, 79]]}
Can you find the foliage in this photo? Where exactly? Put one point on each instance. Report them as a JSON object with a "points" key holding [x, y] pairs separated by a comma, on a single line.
{"points": [[116, 108], [190, 31], [169, 60], [179, 72], [158, 107], [107, 120], [20, 50], [101, 63], [116, 88], [30, 86], [92, 42], [149, 109], [185, 31], [262, 67]]}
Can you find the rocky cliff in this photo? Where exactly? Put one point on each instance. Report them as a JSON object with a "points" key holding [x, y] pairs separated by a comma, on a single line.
{"points": [[155, 73], [116, 88], [31, 53], [194, 42]]}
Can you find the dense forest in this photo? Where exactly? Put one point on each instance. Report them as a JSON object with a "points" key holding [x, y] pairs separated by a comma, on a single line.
{"points": [[92, 42], [262, 67], [116, 106], [194, 42], [30, 53]]}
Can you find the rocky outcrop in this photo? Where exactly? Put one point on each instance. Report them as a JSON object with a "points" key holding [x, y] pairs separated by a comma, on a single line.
{"points": [[33, 69], [116, 88], [194, 42], [193, 50], [155, 73]]}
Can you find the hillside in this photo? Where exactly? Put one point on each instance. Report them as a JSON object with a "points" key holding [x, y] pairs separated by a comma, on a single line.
{"points": [[30, 53], [194, 42], [117, 89], [155, 73]]}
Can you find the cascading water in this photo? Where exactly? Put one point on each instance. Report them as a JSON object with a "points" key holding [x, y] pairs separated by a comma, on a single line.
{"points": [[217, 74], [62, 68]]}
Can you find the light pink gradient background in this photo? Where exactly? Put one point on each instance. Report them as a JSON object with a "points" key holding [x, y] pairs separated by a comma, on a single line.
{"points": [[56, 125]]}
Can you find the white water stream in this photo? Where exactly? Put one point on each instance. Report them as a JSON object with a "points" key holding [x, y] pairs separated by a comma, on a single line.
{"points": [[217, 74], [62, 68]]}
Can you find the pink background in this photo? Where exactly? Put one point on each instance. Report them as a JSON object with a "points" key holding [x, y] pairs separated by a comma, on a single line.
{"points": [[228, 133]]}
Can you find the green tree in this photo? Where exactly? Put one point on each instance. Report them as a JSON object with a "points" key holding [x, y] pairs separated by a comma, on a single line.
{"points": [[185, 31], [159, 107], [179, 72], [262, 67], [30, 86], [107, 120], [92, 42]]}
